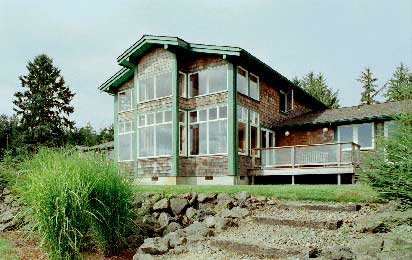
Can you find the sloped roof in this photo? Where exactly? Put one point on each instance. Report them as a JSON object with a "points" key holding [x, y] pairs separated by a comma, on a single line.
{"points": [[148, 41], [361, 113]]}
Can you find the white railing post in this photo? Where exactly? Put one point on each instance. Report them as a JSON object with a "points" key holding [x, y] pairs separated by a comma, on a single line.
{"points": [[292, 156], [339, 154]]}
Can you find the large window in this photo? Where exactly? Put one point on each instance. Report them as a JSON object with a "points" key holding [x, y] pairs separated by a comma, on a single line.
{"points": [[125, 100], [208, 131], [182, 84], [267, 138], [182, 133], [210, 80], [242, 129], [362, 134], [254, 129], [247, 83], [155, 86], [125, 140], [286, 101], [155, 134]]}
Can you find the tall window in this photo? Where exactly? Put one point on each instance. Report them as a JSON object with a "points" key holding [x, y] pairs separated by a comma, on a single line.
{"points": [[362, 134], [182, 133], [182, 84], [155, 134], [155, 86], [247, 83], [125, 100], [254, 129], [242, 134], [286, 101], [125, 140], [210, 80], [208, 131], [267, 138]]}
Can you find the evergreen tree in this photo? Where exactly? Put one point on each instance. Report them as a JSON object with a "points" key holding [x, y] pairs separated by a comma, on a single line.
{"points": [[316, 86], [400, 85], [369, 87], [44, 105]]}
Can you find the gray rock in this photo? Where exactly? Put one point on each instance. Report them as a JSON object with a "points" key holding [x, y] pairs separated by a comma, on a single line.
{"points": [[223, 196], [8, 199], [161, 205], [175, 239], [337, 253], [370, 245], [164, 219], [193, 199], [218, 223], [205, 197], [222, 205], [242, 196], [191, 213], [6, 216], [155, 246], [271, 202], [261, 198], [141, 256], [172, 227], [178, 205], [198, 228], [236, 212], [156, 214], [6, 191]]}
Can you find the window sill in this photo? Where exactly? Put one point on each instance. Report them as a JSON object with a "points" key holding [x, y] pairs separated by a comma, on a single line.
{"points": [[210, 94], [125, 111], [206, 155], [155, 99], [154, 157]]}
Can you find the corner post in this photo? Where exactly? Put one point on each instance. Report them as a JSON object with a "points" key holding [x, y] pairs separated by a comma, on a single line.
{"points": [[232, 122], [135, 138], [116, 129], [175, 118]]}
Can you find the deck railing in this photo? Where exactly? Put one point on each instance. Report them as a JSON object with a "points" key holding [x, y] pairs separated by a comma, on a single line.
{"points": [[329, 154]]}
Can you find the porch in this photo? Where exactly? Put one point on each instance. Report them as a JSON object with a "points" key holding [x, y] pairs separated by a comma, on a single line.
{"points": [[316, 159]]}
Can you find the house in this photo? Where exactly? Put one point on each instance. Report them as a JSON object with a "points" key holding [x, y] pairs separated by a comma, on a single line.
{"points": [[187, 113]]}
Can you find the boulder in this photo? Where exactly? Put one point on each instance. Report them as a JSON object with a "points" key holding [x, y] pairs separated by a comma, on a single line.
{"points": [[242, 196], [134, 240], [205, 197], [141, 256], [191, 213], [164, 219], [223, 197], [271, 202], [178, 205], [155, 246], [236, 212], [198, 228], [6, 216], [223, 204], [172, 227], [175, 239], [218, 223], [161, 205], [337, 253]]}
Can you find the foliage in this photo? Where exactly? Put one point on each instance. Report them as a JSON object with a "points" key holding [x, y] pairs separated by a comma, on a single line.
{"points": [[71, 196], [87, 136], [342, 193], [316, 86], [11, 139], [44, 104], [400, 85], [389, 169], [369, 87]]}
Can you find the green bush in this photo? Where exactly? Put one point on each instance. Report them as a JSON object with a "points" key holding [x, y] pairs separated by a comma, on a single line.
{"points": [[72, 197], [389, 169]]}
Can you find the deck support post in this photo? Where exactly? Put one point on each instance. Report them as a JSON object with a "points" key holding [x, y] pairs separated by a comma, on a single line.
{"points": [[339, 179], [293, 179]]}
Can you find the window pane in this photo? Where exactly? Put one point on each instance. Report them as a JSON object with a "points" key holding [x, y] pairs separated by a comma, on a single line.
{"points": [[365, 135], [263, 143], [271, 139], [203, 75], [217, 78], [164, 139], [125, 100], [254, 87], [164, 85], [182, 116], [202, 115], [159, 117], [202, 138], [390, 128], [128, 126], [223, 112], [121, 127], [146, 89], [242, 137], [346, 133], [146, 141], [168, 116], [150, 119], [253, 137], [218, 136], [125, 147], [194, 139], [194, 85], [213, 113], [142, 120], [182, 139], [182, 84], [242, 81], [193, 116], [289, 101], [282, 102]]}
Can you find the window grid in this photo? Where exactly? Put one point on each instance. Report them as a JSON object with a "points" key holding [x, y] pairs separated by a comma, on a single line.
{"points": [[128, 94], [156, 85], [207, 92], [255, 94], [355, 134], [126, 128]]}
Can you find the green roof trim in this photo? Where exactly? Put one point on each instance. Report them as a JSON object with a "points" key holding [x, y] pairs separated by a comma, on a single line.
{"points": [[116, 80]]}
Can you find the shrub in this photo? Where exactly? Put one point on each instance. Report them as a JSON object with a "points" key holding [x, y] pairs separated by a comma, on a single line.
{"points": [[389, 168], [70, 196]]}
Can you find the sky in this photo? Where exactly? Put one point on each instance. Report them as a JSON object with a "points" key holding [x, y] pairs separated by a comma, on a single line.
{"points": [[84, 38]]}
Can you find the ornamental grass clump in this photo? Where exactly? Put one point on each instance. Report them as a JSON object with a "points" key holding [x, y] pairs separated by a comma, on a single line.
{"points": [[72, 198], [389, 169]]}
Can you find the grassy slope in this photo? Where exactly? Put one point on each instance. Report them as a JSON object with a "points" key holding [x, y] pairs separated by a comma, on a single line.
{"points": [[344, 193], [7, 252]]}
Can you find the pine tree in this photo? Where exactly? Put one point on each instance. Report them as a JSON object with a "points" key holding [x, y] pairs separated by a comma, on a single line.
{"points": [[44, 105], [369, 87], [316, 86], [400, 85]]}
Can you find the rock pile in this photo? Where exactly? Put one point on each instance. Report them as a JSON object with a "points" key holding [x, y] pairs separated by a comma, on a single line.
{"points": [[190, 217], [9, 207]]}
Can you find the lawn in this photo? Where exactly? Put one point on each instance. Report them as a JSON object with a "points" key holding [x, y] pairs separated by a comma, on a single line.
{"points": [[343, 193]]}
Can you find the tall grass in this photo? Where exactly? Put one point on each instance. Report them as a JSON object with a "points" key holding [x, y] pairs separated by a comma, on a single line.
{"points": [[72, 197]]}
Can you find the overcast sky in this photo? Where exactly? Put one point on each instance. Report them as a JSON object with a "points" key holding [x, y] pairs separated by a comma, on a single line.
{"points": [[337, 38]]}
